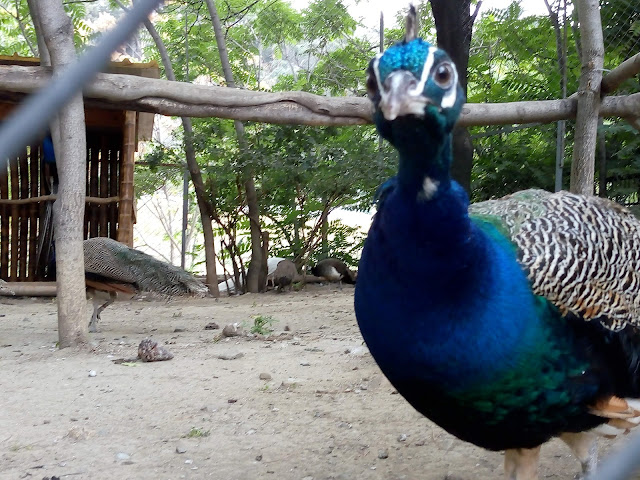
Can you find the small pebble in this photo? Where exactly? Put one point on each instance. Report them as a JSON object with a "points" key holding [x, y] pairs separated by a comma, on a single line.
{"points": [[181, 447], [286, 328], [232, 330], [259, 458], [188, 461], [179, 330], [211, 326], [359, 351], [402, 437], [232, 400], [92, 373], [122, 456], [382, 454], [230, 356], [289, 383], [304, 363], [265, 376]]}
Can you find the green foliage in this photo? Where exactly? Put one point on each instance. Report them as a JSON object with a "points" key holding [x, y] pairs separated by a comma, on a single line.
{"points": [[512, 161], [620, 28], [304, 173], [326, 20], [623, 162], [262, 325], [16, 30], [198, 433], [17, 35], [504, 68]]}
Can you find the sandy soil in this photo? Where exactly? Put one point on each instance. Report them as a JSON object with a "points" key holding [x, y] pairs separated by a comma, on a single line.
{"points": [[326, 413]]}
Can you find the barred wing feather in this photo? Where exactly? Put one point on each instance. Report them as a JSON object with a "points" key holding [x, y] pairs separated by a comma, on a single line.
{"points": [[582, 253]]}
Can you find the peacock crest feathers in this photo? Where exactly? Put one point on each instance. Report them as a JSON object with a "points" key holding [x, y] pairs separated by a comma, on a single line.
{"points": [[413, 58], [581, 253], [119, 263]]}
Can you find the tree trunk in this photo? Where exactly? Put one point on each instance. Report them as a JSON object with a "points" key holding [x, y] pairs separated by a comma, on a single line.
{"points": [[43, 52], [264, 268], [583, 164], [561, 55], [454, 26], [204, 206], [602, 161], [69, 138], [255, 267], [324, 242]]}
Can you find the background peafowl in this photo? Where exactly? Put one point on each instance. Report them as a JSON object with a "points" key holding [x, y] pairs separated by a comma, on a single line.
{"points": [[4, 288], [517, 320], [334, 270], [112, 267]]}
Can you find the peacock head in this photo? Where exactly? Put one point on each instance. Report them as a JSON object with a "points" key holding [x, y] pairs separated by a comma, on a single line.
{"points": [[414, 86]]}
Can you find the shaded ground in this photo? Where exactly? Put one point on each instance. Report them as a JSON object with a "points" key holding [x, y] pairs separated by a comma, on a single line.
{"points": [[326, 413]]}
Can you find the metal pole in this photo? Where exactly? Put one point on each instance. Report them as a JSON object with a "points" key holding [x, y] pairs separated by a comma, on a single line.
{"points": [[620, 465]]}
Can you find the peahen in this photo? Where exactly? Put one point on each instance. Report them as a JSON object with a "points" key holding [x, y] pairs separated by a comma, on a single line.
{"points": [[112, 267], [334, 270], [516, 320]]}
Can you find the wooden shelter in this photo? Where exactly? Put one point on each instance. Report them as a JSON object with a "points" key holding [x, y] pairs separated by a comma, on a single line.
{"points": [[26, 186]]}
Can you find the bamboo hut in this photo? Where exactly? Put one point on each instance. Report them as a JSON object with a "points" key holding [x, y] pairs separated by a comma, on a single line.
{"points": [[25, 185]]}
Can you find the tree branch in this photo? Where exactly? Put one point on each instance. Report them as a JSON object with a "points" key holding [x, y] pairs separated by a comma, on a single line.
{"points": [[627, 69], [583, 164], [115, 91]]}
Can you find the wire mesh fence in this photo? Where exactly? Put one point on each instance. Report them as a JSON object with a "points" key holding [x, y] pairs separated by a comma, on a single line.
{"points": [[531, 50], [516, 55]]}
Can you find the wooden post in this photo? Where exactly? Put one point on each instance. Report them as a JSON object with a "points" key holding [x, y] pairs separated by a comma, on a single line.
{"points": [[34, 183], [584, 151], [125, 215], [4, 223]]}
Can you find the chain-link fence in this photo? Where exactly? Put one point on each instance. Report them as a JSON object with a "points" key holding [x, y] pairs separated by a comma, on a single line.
{"points": [[531, 51]]}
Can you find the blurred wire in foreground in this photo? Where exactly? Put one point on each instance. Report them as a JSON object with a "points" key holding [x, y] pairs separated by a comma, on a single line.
{"points": [[621, 464], [35, 113]]}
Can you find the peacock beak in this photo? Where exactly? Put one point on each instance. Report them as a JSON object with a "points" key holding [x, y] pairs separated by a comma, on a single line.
{"points": [[400, 96]]}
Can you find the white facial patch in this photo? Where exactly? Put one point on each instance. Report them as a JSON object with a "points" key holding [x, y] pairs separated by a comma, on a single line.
{"points": [[428, 63], [449, 98], [429, 188], [376, 72]]}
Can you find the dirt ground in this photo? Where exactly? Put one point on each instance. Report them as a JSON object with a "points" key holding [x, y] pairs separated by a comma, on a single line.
{"points": [[326, 413]]}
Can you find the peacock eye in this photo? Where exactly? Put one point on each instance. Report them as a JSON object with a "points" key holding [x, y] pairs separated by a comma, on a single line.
{"points": [[372, 85], [443, 75]]}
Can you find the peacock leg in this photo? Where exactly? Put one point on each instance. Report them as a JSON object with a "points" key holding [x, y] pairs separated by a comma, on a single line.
{"points": [[97, 310], [585, 447], [521, 463]]}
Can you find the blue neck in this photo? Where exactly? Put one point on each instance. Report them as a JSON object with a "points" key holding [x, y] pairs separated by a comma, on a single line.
{"points": [[424, 148]]}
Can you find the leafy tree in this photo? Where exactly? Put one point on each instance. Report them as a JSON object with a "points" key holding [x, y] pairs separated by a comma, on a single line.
{"points": [[18, 36]]}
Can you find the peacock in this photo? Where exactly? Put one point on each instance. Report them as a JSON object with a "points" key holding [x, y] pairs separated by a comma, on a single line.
{"points": [[112, 267], [517, 319]]}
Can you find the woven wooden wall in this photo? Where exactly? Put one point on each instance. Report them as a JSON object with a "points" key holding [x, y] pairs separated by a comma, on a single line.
{"points": [[104, 160], [25, 195]]}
